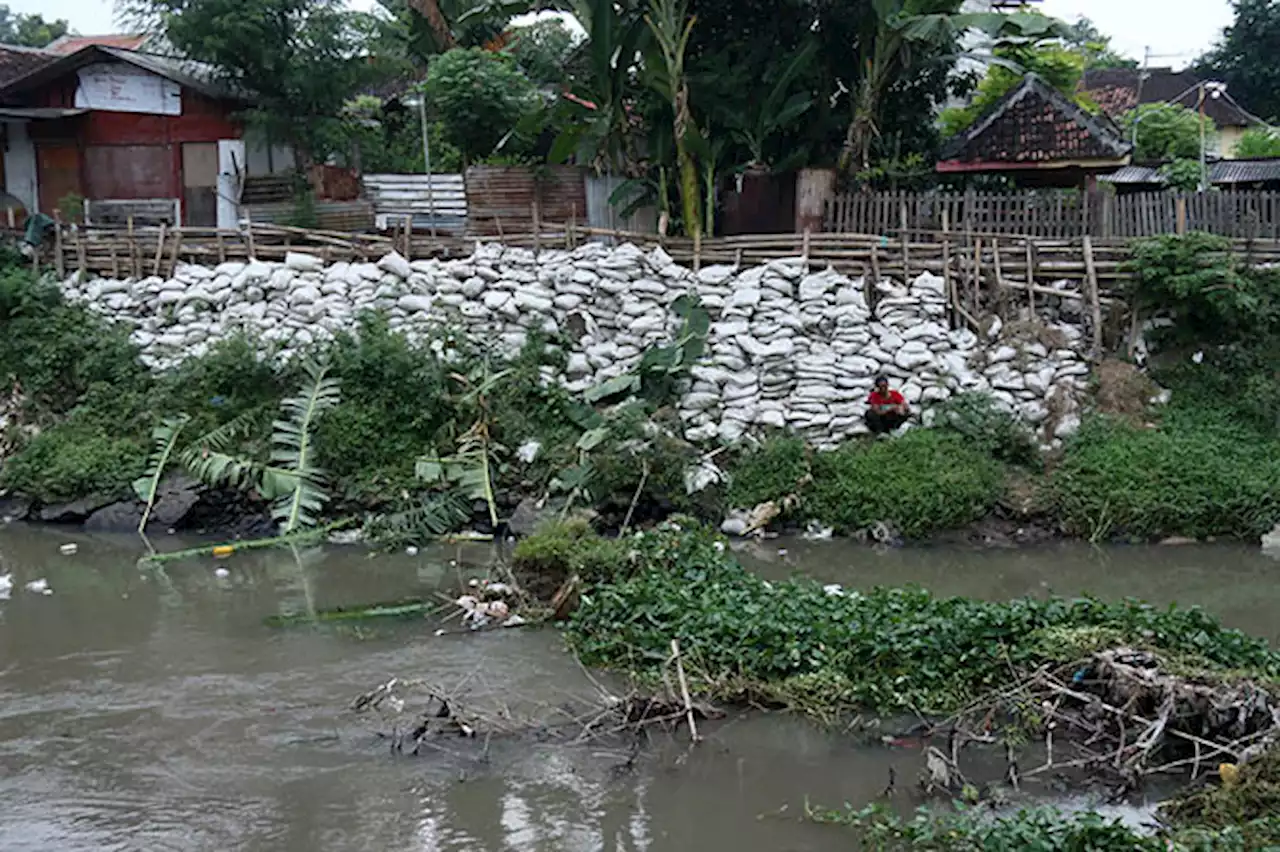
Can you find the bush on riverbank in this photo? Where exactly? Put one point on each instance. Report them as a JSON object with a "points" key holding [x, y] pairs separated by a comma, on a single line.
{"points": [[884, 650], [1196, 480]]}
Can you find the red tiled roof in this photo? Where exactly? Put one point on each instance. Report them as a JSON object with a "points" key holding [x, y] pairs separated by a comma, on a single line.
{"points": [[69, 44], [17, 61], [1034, 125], [1116, 91]]}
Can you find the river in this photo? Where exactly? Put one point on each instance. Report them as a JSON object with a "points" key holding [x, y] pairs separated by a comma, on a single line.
{"points": [[154, 710]]}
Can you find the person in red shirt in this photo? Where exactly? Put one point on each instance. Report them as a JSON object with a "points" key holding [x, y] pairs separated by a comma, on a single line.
{"points": [[886, 409]]}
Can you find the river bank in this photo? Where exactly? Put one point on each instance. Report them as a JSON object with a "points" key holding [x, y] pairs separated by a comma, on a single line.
{"points": [[186, 651], [409, 409]]}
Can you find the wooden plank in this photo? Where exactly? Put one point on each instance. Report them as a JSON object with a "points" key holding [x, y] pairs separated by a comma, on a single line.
{"points": [[1094, 302]]}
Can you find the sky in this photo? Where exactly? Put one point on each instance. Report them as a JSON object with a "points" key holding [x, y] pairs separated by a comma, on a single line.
{"points": [[1176, 30]]}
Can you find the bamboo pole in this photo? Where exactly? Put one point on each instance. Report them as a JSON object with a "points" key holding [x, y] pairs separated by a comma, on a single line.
{"points": [[248, 234], [1001, 298], [59, 262], [1094, 302], [537, 226], [684, 691], [82, 259], [906, 237], [1031, 277], [177, 248], [134, 259], [975, 302], [155, 267], [875, 263]]}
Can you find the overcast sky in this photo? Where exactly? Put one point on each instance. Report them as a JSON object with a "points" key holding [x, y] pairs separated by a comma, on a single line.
{"points": [[1175, 30]]}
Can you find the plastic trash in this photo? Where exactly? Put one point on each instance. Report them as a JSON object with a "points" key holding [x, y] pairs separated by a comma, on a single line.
{"points": [[40, 587], [68, 549]]}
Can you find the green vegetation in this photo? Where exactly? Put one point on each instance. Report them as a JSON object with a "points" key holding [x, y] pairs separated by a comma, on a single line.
{"points": [[1258, 143], [480, 97], [1045, 829], [1165, 132], [1184, 479], [885, 650], [560, 549], [925, 481]]}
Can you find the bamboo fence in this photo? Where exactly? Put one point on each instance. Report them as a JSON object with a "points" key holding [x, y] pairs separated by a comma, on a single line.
{"points": [[983, 272]]}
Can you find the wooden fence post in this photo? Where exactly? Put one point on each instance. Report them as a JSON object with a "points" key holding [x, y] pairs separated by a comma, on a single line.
{"points": [[1181, 207], [1031, 277], [1095, 303]]}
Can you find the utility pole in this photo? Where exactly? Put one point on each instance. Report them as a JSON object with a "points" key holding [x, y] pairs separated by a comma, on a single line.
{"points": [[1204, 166], [1142, 78]]}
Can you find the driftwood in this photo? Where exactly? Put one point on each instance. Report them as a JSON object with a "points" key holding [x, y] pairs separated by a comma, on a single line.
{"points": [[1124, 715]]}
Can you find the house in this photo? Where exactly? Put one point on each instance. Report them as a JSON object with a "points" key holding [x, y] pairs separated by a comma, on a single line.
{"points": [[69, 44], [132, 134], [1223, 174], [17, 61], [1040, 137], [1118, 90]]}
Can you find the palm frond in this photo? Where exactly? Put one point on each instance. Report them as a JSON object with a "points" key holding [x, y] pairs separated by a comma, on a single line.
{"points": [[432, 516], [293, 475], [218, 469], [164, 438], [223, 437]]}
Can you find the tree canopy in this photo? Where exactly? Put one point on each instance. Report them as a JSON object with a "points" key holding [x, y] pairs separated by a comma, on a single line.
{"points": [[480, 96], [301, 59], [1060, 65], [1258, 143], [1165, 132], [1245, 57], [1094, 47], [29, 30]]}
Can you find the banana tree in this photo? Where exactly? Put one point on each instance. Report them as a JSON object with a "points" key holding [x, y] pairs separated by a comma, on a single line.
{"points": [[671, 26], [596, 114], [897, 28]]}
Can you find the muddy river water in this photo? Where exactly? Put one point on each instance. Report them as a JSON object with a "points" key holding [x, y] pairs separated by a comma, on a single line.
{"points": [[146, 710]]}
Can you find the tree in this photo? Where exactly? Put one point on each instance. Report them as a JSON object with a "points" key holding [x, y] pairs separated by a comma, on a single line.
{"points": [[1165, 132], [480, 97], [898, 27], [1094, 47], [545, 51], [1245, 57], [1258, 143], [298, 60], [1060, 66], [670, 24], [29, 30]]}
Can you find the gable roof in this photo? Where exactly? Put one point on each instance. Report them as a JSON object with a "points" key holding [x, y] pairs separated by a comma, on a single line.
{"points": [[1118, 90], [17, 61], [69, 44], [189, 74], [1035, 126]]}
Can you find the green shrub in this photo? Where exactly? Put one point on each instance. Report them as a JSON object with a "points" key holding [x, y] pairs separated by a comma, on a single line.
{"points": [[773, 470], [54, 350], [562, 548], [394, 405], [922, 482], [73, 460], [1182, 479], [987, 427], [228, 380], [883, 650]]}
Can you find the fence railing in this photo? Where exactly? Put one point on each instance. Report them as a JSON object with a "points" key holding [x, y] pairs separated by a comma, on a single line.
{"points": [[1058, 214]]}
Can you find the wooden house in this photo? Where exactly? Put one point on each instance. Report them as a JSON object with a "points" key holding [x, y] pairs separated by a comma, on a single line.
{"points": [[119, 133], [1038, 137]]}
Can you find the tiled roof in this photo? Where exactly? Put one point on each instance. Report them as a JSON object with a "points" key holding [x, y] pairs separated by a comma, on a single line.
{"points": [[1116, 90], [1221, 173], [69, 44], [17, 61], [1034, 124]]}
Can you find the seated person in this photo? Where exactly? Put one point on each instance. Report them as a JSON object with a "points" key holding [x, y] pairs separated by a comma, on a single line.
{"points": [[886, 409]]}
